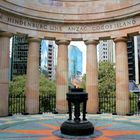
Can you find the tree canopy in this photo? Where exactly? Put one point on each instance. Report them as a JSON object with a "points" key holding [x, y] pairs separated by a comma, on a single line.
{"points": [[106, 77], [46, 86]]}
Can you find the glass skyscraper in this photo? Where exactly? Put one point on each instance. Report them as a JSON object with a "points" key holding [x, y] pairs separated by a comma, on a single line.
{"points": [[44, 56], [19, 55], [131, 58], [75, 61]]}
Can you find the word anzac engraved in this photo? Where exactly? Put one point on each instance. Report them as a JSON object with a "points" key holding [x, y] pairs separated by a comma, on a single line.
{"points": [[38, 25]]}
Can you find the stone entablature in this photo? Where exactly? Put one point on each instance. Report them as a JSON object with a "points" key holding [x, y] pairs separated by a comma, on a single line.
{"points": [[68, 28], [66, 11], [69, 19], [47, 29]]}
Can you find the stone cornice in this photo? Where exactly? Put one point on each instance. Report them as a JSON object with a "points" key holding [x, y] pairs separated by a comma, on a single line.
{"points": [[91, 42], [6, 34], [32, 39], [4, 82], [62, 42], [120, 39]]}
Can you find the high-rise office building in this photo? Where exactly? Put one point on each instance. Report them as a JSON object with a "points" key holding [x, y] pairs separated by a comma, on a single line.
{"points": [[131, 58], [137, 58], [48, 58], [75, 61], [106, 49], [107, 53], [19, 55]]}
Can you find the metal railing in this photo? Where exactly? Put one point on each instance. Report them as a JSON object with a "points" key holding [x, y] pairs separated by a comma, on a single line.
{"points": [[134, 99], [16, 104], [107, 103], [47, 103]]}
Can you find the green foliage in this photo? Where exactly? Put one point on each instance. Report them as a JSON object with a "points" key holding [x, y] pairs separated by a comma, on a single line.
{"points": [[17, 85], [106, 78], [106, 83], [107, 103], [133, 102], [16, 103], [47, 91], [46, 86], [47, 103]]}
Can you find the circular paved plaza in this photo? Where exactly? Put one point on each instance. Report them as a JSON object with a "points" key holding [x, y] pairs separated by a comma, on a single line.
{"points": [[46, 127]]}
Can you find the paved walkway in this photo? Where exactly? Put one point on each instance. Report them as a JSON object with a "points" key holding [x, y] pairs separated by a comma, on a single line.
{"points": [[46, 127]]}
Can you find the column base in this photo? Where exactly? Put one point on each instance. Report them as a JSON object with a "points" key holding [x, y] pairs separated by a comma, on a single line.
{"points": [[25, 113], [114, 113], [61, 111], [129, 114]]}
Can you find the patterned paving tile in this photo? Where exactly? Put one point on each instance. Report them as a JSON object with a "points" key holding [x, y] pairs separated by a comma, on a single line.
{"points": [[46, 127]]}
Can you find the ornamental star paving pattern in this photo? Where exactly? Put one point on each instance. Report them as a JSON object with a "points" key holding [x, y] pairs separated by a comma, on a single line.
{"points": [[46, 127]]}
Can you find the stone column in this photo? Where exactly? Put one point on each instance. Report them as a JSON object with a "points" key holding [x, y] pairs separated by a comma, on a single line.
{"points": [[122, 80], [32, 81], [62, 77], [4, 72], [92, 77]]}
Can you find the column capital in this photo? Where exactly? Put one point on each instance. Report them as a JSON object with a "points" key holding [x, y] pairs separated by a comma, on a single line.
{"points": [[33, 39], [88, 42], [62, 42], [124, 39], [6, 34]]}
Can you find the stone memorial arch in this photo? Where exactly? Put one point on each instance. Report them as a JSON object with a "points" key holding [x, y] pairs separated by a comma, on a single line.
{"points": [[63, 21]]}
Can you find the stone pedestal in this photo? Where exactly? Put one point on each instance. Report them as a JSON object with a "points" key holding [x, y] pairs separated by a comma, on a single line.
{"points": [[92, 77], [4, 72], [32, 79], [62, 76], [122, 80]]}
